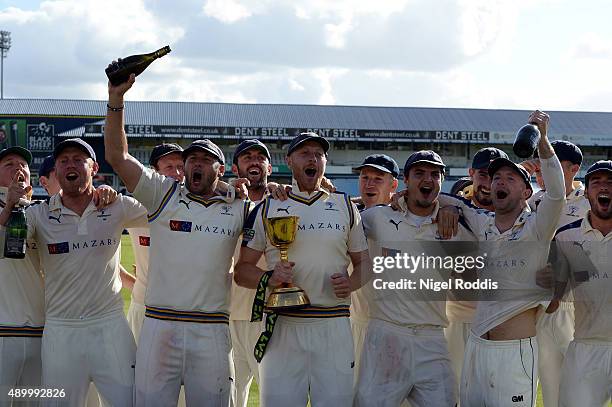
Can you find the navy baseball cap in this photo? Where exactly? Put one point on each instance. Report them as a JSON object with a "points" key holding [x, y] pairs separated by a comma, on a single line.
{"points": [[47, 166], [601, 165], [518, 168], [161, 150], [304, 137], [565, 151], [460, 185], [249, 144], [381, 162], [205, 145], [424, 156], [484, 156], [20, 151], [74, 142]]}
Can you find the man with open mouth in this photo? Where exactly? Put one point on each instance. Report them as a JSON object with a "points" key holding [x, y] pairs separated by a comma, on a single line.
{"points": [[22, 305], [505, 327], [310, 354], [104, 195], [378, 181], [185, 336], [555, 331], [405, 355], [251, 161], [167, 160], [584, 248], [85, 326], [461, 313]]}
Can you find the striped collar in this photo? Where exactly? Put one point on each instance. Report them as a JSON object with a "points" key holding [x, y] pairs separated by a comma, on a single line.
{"points": [[55, 204], [205, 202], [516, 228], [304, 197]]}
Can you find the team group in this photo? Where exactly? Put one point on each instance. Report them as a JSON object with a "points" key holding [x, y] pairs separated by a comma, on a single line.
{"points": [[199, 242]]}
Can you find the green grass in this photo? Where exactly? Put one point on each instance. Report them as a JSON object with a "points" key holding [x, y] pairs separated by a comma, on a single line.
{"points": [[127, 259]]}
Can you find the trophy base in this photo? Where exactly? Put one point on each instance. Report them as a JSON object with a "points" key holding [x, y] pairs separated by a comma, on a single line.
{"points": [[287, 298]]}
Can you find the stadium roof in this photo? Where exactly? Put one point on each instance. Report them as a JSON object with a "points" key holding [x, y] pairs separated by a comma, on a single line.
{"points": [[314, 116]]}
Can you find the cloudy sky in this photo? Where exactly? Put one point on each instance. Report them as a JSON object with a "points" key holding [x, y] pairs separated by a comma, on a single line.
{"points": [[552, 54]]}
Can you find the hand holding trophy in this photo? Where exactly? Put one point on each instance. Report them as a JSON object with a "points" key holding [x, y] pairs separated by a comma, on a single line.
{"points": [[281, 232]]}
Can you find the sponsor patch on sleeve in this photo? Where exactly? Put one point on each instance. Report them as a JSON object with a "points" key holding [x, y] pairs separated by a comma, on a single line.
{"points": [[144, 241]]}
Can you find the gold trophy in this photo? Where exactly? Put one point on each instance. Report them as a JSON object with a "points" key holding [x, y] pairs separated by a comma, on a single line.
{"points": [[281, 232]]}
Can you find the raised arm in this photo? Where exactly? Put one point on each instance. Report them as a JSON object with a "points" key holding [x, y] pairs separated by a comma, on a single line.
{"points": [[115, 140], [553, 200]]}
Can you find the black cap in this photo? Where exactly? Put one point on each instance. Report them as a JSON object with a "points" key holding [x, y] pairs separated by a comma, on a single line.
{"points": [[304, 137], [518, 168], [249, 144], [460, 185], [47, 166], [161, 150], [205, 145], [565, 151], [423, 156], [381, 162], [74, 142], [601, 165], [19, 151], [484, 156]]}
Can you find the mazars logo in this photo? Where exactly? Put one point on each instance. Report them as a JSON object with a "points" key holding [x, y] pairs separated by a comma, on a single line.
{"points": [[65, 247]]}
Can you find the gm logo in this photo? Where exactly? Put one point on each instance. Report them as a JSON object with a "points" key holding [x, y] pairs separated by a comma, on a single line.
{"points": [[516, 399]]}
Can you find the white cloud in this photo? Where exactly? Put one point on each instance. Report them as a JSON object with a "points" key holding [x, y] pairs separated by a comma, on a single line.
{"points": [[19, 16], [226, 11], [591, 46], [472, 53], [295, 85]]}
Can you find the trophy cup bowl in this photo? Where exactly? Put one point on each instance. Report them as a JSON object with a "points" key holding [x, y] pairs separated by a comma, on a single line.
{"points": [[281, 232]]}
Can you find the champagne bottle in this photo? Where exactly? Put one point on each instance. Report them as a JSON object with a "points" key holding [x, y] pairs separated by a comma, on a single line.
{"points": [[526, 141], [120, 71], [16, 233]]}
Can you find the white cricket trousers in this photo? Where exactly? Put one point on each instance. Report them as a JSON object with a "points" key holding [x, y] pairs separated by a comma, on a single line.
{"points": [[586, 378], [308, 356], [499, 373], [244, 337], [171, 353], [554, 332], [77, 352], [404, 363], [20, 366]]}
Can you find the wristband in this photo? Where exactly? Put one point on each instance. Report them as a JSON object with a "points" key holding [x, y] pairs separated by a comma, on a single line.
{"points": [[114, 109]]}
